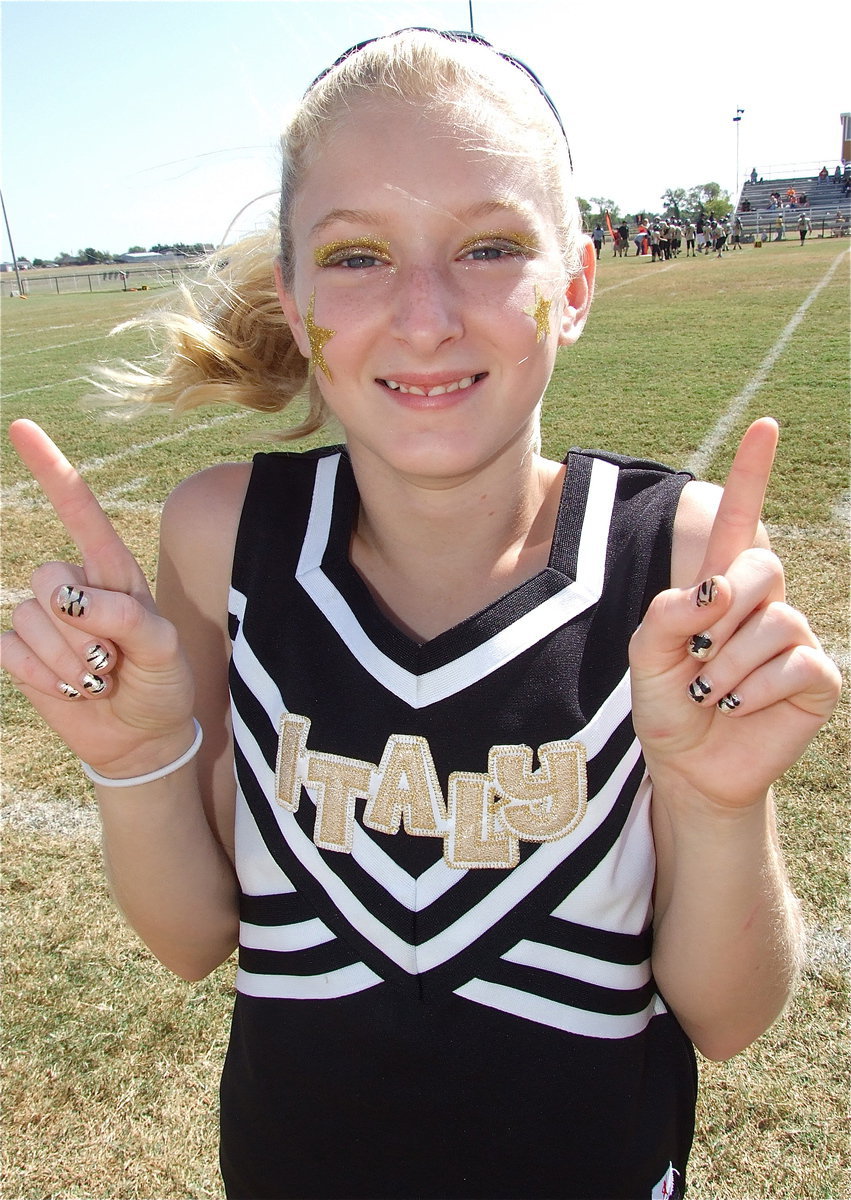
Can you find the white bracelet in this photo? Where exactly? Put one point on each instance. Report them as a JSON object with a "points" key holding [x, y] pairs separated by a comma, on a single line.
{"points": [[136, 780]]}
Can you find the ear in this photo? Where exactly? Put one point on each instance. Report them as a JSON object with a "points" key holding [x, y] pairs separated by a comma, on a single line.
{"points": [[578, 296], [290, 310]]}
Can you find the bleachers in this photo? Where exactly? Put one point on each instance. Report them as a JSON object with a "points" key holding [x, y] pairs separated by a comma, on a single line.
{"points": [[825, 198]]}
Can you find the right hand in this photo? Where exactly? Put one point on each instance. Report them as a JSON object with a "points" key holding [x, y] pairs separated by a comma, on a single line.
{"points": [[141, 719]]}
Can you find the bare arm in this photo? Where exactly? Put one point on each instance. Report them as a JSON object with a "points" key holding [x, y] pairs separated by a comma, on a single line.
{"points": [[167, 866], [727, 929]]}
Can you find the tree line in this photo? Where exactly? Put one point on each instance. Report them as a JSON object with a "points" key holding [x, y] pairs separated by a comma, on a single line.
{"points": [[90, 256], [678, 204]]}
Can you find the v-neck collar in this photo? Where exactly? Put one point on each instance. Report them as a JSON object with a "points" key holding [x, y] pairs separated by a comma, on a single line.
{"points": [[424, 673]]}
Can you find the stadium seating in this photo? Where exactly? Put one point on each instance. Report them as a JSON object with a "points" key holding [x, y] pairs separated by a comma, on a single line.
{"points": [[825, 199]]}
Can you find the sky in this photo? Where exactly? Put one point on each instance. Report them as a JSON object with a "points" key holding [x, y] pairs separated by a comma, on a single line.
{"points": [[137, 122]]}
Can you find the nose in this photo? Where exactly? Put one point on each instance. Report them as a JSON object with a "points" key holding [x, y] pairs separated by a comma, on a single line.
{"points": [[426, 307]]}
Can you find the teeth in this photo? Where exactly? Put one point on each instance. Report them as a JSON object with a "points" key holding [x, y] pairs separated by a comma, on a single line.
{"points": [[458, 385]]}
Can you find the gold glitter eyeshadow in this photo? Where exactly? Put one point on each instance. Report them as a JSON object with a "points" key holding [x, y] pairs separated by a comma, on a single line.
{"points": [[524, 241], [335, 252], [317, 336]]}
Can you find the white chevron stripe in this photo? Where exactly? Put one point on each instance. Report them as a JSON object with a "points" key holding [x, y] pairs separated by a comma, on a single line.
{"points": [[616, 895], [420, 691], [303, 935], [559, 1016], [621, 976], [344, 982]]}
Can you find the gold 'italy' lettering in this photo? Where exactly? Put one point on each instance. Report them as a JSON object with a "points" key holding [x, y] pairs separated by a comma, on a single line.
{"points": [[408, 789], [476, 838], [486, 815], [542, 805], [292, 754], [339, 782]]}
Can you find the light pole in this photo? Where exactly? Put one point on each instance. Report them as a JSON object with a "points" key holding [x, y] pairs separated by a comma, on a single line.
{"points": [[21, 291], [738, 120]]}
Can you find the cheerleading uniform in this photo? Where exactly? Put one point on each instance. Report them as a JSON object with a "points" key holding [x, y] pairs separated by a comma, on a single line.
{"points": [[446, 865]]}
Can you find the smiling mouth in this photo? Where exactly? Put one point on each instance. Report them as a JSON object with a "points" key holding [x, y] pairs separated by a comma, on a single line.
{"points": [[456, 385]]}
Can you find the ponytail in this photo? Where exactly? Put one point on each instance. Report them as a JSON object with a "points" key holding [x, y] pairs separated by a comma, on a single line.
{"points": [[229, 343]]}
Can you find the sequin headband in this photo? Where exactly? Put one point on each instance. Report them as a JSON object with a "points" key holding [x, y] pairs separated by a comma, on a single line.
{"points": [[459, 35]]}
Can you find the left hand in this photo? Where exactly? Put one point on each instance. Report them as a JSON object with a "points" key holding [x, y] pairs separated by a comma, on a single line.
{"points": [[765, 665]]}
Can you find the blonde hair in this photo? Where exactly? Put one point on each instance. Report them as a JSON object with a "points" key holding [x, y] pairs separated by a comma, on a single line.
{"points": [[231, 343]]}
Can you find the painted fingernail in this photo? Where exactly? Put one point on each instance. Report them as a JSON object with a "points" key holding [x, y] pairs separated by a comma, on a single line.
{"points": [[699, 689], [706, 593], [97, 657], [93, 684], [699, 645], [67, 690], [72, 601], [730, 702]]}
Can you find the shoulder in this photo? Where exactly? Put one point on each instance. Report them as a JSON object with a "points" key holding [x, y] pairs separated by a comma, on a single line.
{"points": [[210, 500], [200, 521], [696, 513]]}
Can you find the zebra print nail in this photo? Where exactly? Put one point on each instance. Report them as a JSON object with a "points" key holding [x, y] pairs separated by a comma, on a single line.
{"points": [[93, 684], [72, 601], [97, 657], [699, 689], [706, 593], [730, 702], [699, 645], [67, 690]]}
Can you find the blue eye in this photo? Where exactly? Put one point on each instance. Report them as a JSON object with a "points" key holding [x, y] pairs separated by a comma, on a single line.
{"points": [[489, 253], [356, 255], [494, 247], [356, 262]]}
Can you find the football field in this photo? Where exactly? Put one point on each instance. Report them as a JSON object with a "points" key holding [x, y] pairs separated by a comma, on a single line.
{"points": [[112, 1064]]}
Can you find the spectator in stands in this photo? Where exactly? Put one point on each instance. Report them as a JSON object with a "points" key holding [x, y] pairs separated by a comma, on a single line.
{"points": [[753, 175], [791, 195], [837, 174], [804, 227], [822, 175]]}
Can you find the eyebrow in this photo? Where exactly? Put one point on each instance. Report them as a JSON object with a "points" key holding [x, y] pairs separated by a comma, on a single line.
{"points": [[467, 216]]}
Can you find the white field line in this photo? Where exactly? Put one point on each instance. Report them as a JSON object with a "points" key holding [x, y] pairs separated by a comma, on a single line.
{"points": [[59, 346], [51, 329], [43, 387], [635, 279], [18, 494], [705, 452]]}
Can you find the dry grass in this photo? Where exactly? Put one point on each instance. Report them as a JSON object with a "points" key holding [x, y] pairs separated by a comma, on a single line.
{"points": [[111, 1064]]}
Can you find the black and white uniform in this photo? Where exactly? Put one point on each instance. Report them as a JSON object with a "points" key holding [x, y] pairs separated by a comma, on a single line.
{"points": [[446, 865]]}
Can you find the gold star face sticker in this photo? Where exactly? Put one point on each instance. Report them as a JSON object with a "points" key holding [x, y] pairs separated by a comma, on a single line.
{"points": [[317, 336], [540, 314]]}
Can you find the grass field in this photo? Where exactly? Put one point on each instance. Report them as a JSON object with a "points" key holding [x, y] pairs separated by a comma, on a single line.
{"points": [[111, 1064]]}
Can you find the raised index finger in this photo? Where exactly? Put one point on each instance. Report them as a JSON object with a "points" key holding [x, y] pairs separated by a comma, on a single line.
{"points": [[106, 560], [736, 522]]}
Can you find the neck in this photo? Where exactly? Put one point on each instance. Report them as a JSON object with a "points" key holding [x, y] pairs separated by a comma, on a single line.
{"points": [[434, 554]]}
